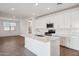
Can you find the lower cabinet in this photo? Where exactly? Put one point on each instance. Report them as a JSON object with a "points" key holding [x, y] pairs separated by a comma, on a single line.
{"points": [[71, 42], [40, 48], [74, 43], [65, 41]]}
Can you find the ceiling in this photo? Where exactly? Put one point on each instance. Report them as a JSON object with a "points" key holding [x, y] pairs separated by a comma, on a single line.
{"points": [[27, 10]]}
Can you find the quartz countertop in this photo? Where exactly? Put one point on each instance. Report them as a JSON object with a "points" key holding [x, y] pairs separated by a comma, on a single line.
{"points": [[44, 38]]}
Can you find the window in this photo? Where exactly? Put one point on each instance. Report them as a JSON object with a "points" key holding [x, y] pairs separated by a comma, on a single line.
{"points": [[12, 26], [9, 26]]}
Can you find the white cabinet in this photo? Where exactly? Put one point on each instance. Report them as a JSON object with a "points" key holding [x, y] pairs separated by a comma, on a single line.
{"points": [[67, 20], [62, 41], [74, 43], [63, 20], [75, 23], [62, 23], [72, 22], [37, 47], [75, 19], [71, 42], [65, 41], [59, 21]]}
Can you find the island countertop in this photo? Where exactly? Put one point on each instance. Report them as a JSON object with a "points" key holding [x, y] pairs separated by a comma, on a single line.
{"points": [[44, 38]]}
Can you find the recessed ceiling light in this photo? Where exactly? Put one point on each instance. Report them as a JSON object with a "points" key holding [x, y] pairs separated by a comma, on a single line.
{"points": [[36, 4], [12, 9], [48, 8]]}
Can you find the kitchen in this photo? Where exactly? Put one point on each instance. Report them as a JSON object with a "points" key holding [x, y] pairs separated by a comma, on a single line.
{"points": [[43, 29], [66, 32]]}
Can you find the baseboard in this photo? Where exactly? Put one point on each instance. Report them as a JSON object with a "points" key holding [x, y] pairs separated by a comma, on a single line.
{"points": [[12, 36], [9, 35]]}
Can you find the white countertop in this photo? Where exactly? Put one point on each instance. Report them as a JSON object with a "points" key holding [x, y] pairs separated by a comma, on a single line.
{"points": [[53, 37], [45, 38]]}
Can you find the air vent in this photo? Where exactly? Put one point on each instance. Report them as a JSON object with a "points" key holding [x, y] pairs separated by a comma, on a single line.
{"points": [[59, 3]]}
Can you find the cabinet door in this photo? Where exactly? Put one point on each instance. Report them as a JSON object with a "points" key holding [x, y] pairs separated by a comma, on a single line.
{"points": [[74, 43], [59, 21], [62, 41], [65, 42], [67, 20], [75, 19]]}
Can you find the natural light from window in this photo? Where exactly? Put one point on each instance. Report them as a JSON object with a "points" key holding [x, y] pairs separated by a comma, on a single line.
{"points": [[9, 26]]}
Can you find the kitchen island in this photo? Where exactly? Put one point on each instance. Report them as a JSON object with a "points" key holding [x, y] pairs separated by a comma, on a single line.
{"points": [[43, 45]]}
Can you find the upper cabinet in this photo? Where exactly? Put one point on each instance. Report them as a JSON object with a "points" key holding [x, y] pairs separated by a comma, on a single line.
{"points": [[67, 20], [59, 21], [62, 20], [75, 19]]}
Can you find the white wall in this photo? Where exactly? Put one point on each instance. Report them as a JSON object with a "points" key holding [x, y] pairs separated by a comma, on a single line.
{"points": [[9, 33], [24, 27]]}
